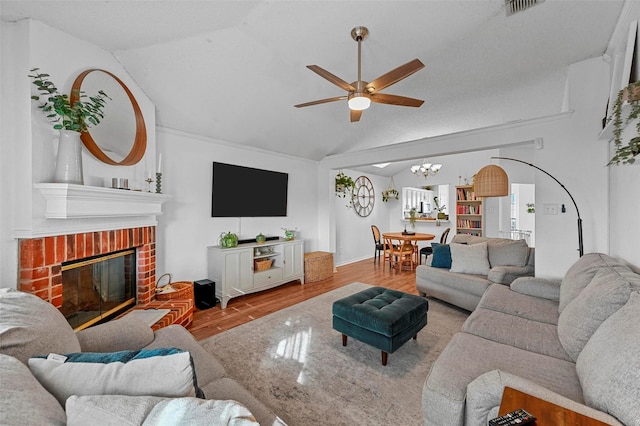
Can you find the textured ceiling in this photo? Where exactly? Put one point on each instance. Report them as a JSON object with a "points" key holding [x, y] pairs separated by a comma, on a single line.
{"points": [[233, 70]]}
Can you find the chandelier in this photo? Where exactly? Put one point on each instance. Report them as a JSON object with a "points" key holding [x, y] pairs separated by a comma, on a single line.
{"points": [[426, 169]]}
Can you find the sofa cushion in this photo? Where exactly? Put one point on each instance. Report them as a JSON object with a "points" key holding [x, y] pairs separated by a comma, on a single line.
{"points": [[580, 274], [208, 368], [517, 331], [30, 326], [122, 410], [162, 372], [22, 397], [609, 364], [606, 293], [227, 388], [441, 256], [503, 251], [466, 283], [502, 299], [126, 333], [470, 259], [538, 287], [467, 356]]}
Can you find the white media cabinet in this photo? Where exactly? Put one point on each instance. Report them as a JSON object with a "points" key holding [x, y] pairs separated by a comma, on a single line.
{"points": [[232, 269]]}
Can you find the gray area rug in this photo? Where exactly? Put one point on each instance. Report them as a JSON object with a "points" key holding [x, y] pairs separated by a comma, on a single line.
{"points": [[294, 361]]}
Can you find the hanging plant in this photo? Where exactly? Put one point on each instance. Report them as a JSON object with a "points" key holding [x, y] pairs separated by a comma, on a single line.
{"points": [[390, 193], [344, 185], [626, 154]]}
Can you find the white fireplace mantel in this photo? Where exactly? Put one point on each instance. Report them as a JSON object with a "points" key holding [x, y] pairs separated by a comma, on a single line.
{"points": [[69, 201]]}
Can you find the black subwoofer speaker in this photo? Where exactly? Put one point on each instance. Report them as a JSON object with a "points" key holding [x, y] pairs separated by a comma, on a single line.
{"points": [[204, 292]]}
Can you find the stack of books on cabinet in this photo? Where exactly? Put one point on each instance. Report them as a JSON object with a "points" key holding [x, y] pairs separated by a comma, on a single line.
{"points": [[469, 219]]}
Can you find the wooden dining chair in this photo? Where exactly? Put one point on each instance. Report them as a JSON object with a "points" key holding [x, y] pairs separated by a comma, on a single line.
{"points": [[402, 255], [389, 246]]}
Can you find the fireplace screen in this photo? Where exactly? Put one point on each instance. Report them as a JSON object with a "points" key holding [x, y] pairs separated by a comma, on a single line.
{"points": [[97, 288]]}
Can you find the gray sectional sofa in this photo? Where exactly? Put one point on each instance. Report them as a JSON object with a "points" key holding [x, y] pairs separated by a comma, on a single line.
{"points": [[466, 281], [574, 342], [31, 327]]}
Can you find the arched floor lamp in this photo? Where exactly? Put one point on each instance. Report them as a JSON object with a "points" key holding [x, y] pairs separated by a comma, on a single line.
{"points": [[492, 181]]}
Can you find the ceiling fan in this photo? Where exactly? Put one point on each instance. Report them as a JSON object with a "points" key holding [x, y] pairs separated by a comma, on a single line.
{"points": [[361, 93]]}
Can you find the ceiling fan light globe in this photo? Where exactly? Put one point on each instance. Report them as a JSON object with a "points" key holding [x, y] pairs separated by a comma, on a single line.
{"points": [[359, 102]]}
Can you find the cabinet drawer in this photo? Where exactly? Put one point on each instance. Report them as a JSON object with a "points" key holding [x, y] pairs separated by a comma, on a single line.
{"points": [[269, 276]]}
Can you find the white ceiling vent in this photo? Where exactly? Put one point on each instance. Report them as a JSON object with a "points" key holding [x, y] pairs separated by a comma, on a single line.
{"points": [[514, 6]]}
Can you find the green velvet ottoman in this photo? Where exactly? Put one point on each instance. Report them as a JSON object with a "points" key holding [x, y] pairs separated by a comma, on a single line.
{"points": [[380, 317]]}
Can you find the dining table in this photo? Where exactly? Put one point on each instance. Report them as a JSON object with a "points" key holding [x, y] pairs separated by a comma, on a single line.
{"points": [[411, 238]]}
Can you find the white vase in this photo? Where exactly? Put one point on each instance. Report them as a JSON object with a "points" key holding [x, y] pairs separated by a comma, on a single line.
{"points": [[69, 160]]}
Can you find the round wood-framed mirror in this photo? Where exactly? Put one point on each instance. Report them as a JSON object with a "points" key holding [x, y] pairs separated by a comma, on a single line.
{"points": [[121, 137]]}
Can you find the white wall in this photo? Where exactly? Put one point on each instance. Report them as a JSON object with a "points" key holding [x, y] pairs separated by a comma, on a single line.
{"points": [[186, 228], [354, 238]]}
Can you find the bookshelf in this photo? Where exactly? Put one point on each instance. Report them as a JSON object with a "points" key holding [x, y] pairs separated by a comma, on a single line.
{"points": [[469, 215]]}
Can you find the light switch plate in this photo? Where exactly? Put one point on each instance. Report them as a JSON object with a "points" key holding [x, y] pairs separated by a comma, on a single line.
{"points": [[550, 208]]}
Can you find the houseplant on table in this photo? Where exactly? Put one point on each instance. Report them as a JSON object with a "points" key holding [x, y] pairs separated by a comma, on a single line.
{"points": [[630, 95], [70, 120]]}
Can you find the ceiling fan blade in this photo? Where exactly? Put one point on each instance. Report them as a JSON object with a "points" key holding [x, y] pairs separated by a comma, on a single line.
{"points": [[394, 76], [383, 98], [332, 78], [321, 101], [355, 115]]}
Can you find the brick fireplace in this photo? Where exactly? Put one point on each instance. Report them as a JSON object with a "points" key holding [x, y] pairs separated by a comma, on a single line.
{"points": [[40, 268]]}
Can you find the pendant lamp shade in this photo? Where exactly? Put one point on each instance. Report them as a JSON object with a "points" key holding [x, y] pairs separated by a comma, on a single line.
{"points": [[491, 181]]}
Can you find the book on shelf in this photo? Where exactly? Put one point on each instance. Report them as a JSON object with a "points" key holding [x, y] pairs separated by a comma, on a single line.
{"points": [[468, 209], [466, 194]]}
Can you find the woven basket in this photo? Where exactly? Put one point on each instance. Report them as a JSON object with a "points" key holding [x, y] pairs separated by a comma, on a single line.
{"points": [[262, 264], [176, 290]]}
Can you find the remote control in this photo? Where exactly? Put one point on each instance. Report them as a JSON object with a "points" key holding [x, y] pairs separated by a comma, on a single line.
{"points": [[517, 417]]}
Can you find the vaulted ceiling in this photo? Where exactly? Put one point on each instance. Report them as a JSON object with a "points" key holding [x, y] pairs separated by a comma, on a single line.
{"points": [[232, 70]]}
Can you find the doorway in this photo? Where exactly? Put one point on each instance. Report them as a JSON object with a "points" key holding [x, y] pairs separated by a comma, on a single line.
{"points": [[522, 216]]}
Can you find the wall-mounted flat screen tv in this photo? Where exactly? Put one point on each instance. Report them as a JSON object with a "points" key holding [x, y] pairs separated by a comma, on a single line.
{"points": [[239, 191]]}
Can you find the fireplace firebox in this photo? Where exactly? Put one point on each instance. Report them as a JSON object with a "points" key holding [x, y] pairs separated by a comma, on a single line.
{"points": [[98, 288]]}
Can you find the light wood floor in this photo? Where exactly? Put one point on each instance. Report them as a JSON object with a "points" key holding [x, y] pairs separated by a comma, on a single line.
{"points": [[243, 309]]}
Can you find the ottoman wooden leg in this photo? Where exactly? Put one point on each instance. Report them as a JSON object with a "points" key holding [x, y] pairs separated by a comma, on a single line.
{"points": [[384, 358], [415, 337], [344, 340]]}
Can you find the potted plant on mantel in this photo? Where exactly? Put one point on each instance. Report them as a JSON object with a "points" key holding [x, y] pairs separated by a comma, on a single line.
{"points": [[625, 154], [70, 120]]}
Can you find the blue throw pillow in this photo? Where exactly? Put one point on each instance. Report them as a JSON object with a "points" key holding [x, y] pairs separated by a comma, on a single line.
{"points": [[441, 256]]}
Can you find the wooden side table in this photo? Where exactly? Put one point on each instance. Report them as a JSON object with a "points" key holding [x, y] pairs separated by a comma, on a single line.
{"points": [[547, 414]]}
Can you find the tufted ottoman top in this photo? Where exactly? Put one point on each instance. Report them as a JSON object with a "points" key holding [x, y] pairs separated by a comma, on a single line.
{"points": [[381, 310]]}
